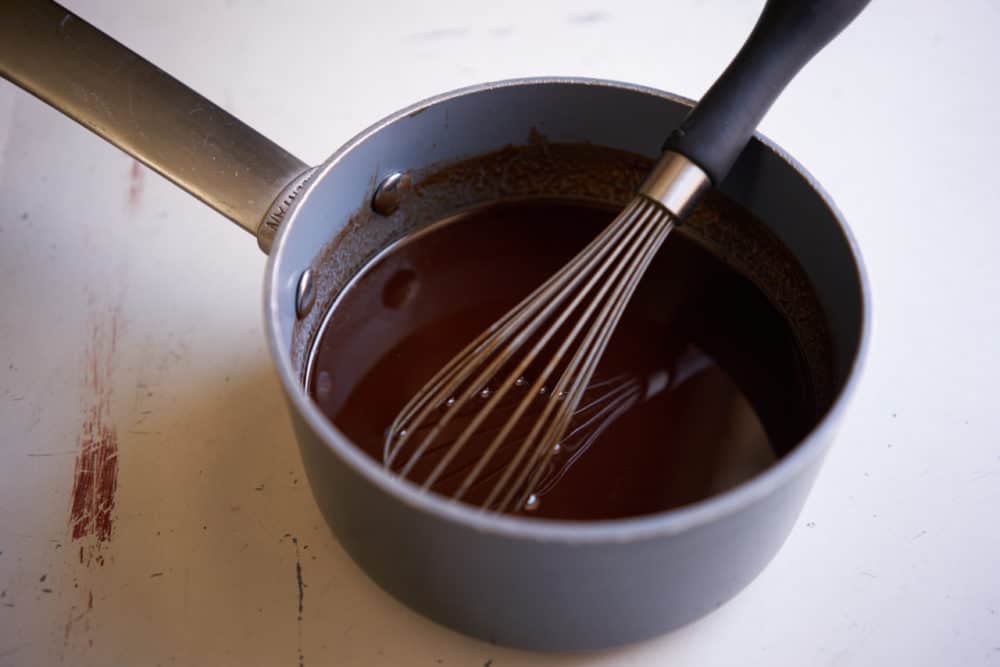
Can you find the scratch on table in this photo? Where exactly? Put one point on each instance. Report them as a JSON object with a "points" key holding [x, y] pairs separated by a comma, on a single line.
{"points": [[69, 626], [135, 185], [95, 476], [12, 650], [589, 18], [74, 618], [298, 575], [436, 35], [300, 584]]}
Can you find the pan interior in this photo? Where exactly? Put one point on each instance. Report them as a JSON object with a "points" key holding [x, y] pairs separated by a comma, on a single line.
{"points": [[604, 177]]}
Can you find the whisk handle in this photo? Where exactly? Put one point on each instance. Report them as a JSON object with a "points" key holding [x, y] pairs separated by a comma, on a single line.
{"points": [[787, 35]]}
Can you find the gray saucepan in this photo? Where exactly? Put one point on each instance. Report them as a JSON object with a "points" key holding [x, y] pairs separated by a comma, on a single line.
{"points": [[536, 584]]}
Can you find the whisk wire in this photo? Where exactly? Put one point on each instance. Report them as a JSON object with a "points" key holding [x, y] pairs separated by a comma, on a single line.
{"points": [[593, 428], [607, 261], [592, 289], [557, 411], [453, 374], [444, 384], [588, 354], [603, 330]]}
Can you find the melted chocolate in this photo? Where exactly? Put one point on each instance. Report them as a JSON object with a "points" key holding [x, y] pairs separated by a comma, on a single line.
{"points": [[703, 384]]}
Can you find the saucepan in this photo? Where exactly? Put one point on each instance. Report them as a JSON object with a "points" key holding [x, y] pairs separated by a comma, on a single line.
{"points": [[549, 585]]}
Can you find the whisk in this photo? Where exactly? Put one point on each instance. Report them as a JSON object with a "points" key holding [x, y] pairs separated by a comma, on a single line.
{"points": [[552, 341], [603, 402]]}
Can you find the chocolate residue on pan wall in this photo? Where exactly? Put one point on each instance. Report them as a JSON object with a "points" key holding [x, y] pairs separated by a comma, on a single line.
{"points": [[577, 171], [95, 475]]}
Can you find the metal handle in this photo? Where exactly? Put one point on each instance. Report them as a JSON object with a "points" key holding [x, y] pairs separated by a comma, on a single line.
{"points": [[87, 75]]}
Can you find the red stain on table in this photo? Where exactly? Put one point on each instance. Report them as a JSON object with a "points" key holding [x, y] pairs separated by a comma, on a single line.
{"points": [[95, 476], [135, 184]]}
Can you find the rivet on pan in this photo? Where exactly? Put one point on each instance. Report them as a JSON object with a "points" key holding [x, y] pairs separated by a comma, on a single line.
{"points": [[305, 294], [389, 192]]}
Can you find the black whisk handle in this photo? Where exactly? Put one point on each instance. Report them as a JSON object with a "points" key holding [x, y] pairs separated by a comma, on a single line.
{"points": [[787, 35]]}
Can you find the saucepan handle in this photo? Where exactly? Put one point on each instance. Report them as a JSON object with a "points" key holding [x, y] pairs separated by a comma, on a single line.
{"points": [[150, 115]]}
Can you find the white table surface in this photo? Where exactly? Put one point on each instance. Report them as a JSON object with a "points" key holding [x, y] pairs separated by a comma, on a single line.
{"points": [[895, 559]]}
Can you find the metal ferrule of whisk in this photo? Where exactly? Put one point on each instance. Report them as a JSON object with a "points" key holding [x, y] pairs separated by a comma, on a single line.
{"points": [[513, 391], [676, 183]]}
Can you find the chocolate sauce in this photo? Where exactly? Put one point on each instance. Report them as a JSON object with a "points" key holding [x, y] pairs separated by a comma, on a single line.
{"points": [[703, 385]]}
